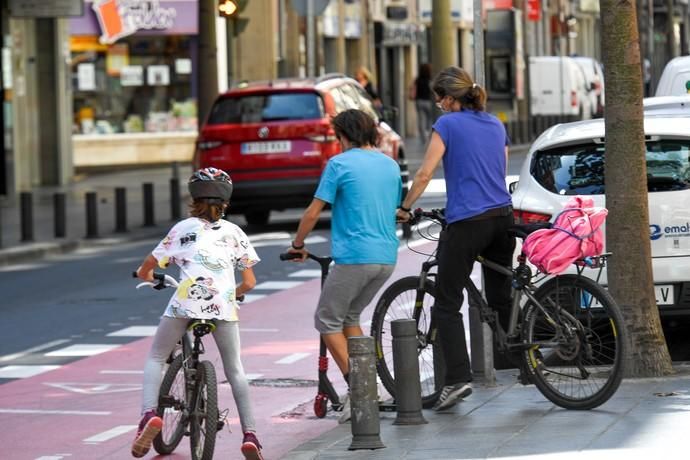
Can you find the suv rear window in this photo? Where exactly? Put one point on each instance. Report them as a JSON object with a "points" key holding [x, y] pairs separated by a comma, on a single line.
{"points": [[579, 170], [259, 108]]}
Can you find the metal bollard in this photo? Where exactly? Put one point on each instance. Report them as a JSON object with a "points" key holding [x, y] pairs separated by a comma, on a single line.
{"points": [[60, 215], [366, 426], [120, 209], [91, 215], [148, 205], [481, 345], [26, 216], [174, 198], [406, 367]]}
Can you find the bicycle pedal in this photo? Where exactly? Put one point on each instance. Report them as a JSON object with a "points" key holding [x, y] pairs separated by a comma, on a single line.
{"points": [[221, 424]]}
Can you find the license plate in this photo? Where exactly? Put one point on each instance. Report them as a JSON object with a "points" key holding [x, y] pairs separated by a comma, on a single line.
{"points": [[251, 148], [664, 294]]}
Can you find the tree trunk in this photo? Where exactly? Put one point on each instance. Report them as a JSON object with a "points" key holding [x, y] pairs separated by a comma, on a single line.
{"points": [[627, 226]]}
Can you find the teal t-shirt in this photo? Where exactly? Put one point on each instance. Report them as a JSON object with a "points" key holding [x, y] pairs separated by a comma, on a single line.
{"points": [[364, 189]]}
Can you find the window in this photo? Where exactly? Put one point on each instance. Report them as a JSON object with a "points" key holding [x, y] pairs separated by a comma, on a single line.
{"points": [[259, 108], [580, 170]]}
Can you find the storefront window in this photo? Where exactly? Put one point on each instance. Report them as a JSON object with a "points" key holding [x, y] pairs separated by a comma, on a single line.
{"points": [[139, 84]]}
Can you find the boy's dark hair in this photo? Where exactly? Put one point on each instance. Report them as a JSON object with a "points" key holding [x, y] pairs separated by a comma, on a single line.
{"points": [[211, 210], [357, 127]]}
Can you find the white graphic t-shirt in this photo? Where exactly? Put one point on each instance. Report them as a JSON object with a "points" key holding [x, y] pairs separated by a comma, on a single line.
{"points": [[207, 254]]}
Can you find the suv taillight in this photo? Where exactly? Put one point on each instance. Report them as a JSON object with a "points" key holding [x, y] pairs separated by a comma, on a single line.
{"points": [[207, 145], [527, 217]]}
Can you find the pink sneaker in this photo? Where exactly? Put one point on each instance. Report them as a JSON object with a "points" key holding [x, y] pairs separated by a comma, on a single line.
{"points": [[251, 449], [149, 427]]}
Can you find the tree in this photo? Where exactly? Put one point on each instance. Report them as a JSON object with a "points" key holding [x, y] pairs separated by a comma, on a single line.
{"points": [[627, 226]]}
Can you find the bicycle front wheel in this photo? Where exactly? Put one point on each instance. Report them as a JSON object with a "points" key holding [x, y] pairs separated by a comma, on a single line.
{"points": [[576, 342], [204, 419], [404, 300], [172, 406]]}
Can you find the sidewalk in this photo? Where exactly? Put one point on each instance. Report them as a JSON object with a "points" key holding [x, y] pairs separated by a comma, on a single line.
{"points": [[645, 419], [13, 249]]}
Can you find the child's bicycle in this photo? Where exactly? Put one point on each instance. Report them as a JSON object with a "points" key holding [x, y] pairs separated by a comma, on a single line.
{"points": [[325, 390], [566, 335], [188, 397]]}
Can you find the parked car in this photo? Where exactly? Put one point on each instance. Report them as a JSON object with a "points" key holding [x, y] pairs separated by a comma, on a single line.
{"points": [[679, 105], [594, 79], [568, 159], [558, 87], [275, 137], [675, 79]]}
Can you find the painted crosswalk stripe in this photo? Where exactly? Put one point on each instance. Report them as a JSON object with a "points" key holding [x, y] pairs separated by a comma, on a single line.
{"points": [[110, 434], [249, 298], [117, 371], [24, 371], [52, 344], [54, 457], [277, 285], [305, 274], [289, 359], [259, 329], [54, 412], [135, 331], [87, 349]]}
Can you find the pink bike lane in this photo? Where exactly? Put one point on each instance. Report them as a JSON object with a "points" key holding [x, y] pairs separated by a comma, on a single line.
{"points": [[89, 409]]}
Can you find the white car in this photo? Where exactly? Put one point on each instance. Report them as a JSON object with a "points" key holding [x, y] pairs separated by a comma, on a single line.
{"points": [[675, 79], [667, 104], [568, 159]]}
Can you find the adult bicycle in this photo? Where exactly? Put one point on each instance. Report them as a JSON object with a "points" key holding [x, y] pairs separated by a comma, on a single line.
{"points": [[566, 333], [188, 396]]}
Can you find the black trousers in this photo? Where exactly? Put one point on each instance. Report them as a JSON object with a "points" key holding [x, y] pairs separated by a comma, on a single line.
{"points": [[459, 246]]}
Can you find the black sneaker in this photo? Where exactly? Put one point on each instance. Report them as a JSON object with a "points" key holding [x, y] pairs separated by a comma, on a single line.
{"points": [[451, 394]]}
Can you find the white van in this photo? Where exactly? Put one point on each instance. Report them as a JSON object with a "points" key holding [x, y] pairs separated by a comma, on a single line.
{"points": [[558, 87], [594, 77], [675, 78]]}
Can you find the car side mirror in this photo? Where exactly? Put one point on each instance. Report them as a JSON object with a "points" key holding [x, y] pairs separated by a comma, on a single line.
{"points": [[512, 186]]}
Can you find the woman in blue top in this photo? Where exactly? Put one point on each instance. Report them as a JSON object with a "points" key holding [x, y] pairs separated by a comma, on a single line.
{"points": [[474, 148]]}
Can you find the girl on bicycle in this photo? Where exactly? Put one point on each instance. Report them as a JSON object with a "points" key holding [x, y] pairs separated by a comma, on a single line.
{"points": [[207, 250]]}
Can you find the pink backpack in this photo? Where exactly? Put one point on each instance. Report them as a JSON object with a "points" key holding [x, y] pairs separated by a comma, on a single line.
{"points": [[575, 234]]}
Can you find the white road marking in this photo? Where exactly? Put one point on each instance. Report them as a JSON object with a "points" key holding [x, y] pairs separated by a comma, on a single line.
{"points": [[284, 240], [21, 372], [117, 371], [95, 388], [127, 260], [87, 349], [53, 412], [110, 434], [54, 343], [254, 376], [21, 267], [258, 329], [289, 359], [135, 331], [306, 274], [277, 285], [54, 457], [249, 298]]}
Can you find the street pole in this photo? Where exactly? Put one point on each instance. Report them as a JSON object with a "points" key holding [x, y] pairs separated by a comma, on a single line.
{"points": [[340, 39], [311, 39], [207, 80], [479, 76], [441, 36]]}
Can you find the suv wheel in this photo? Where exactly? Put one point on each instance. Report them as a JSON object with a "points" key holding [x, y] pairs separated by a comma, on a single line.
{"points": [[258, 218]]}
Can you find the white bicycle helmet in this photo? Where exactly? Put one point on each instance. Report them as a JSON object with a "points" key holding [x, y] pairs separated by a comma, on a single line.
{"points": [[211, 184]]}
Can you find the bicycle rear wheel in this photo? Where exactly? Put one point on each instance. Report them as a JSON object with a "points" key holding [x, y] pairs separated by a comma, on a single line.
{"points": [[576, 342], [204, 419], [172, 406], [400, 301]]}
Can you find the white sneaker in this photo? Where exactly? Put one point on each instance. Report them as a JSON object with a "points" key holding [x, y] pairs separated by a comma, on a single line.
{"points": [[347, 411], [451, 394]]}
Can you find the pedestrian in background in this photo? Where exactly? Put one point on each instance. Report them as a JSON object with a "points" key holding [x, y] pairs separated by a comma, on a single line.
{"points": [[420, 93], [366, 79], [207, 249], [473, 146], [364, 245]]}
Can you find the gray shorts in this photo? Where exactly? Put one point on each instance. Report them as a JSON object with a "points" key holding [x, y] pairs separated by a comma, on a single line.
{"points": [[346, 292]]}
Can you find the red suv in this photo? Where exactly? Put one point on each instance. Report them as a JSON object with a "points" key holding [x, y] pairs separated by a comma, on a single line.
{"points": [[275, 137]]}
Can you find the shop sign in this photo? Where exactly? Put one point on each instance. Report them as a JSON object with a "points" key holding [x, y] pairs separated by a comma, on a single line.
{"points": [[396, 34], [120, 18], [132, 75], [143, 17], [533, 10]]}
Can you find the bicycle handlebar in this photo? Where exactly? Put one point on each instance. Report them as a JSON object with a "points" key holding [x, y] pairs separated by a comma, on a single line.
{"points": [[434, 214]]}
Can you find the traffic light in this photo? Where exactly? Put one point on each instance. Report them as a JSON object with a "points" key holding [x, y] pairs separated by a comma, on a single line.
{"points": [[231, 8]]}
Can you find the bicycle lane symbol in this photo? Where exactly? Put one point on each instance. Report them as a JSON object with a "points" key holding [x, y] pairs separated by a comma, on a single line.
{"points": [[95, 388]]}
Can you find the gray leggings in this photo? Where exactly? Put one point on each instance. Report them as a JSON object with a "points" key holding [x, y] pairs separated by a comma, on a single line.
{"points": [[227, 337]]}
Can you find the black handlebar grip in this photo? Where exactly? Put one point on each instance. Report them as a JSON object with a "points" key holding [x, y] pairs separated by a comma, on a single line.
{"points": [[134, 274], [290, 256], [240, 298]]}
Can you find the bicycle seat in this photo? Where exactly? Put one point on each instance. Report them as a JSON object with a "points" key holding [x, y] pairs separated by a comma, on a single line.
{"points": [[522, 230], [201, 327]]}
